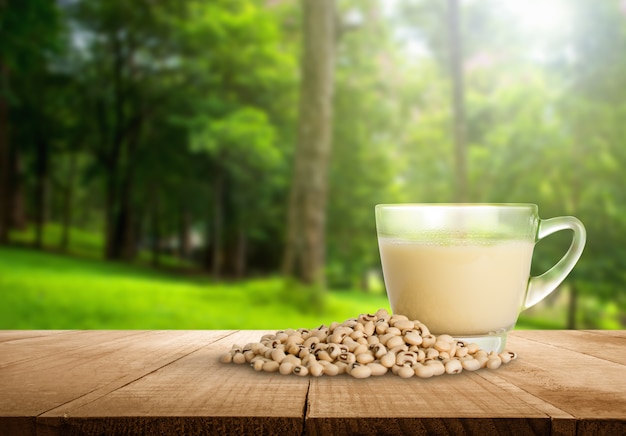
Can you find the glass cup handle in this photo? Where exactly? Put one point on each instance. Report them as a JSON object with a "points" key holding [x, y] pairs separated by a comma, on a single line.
{"points": [[540, 287]]}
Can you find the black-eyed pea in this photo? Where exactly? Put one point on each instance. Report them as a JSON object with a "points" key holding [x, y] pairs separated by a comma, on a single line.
{"points": [[395, 368], [316, 370], [404, 325], [437, 366], [311, 342], [505, 357], [421, 328], [384, 338], [293, 340], [494, 362], [360, 371], [413, 338], [331, 369], [423, 371], [379, 350], [406, 371], [239, 358], [323, 355], [293, 359], [364, 318], [369, 328], [294, 349], [397, 317], [388, 360], [249, 355], [350, 343], [399, 348], [394, 342], [377, 369], [406, 357], [470, 364], [373, 340], [382, 313], [428, 341], [347, 358], [444, 355], [258, 348], [482, 359], [472, 348], [365, 358], [278, 355], [363, 341], [394, 331], [309, 360], [258, 364], [381, 328], [271, 366], [341, 366], [431, 354], [360, 349], [282, 336], [461, 352], [336, 338], [286, 368], [442, 345], [300, 370], [333, 351], [453, 366]]}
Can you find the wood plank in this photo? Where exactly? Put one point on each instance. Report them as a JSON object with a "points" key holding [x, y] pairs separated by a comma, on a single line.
{"points": [[10, 335], [38, 347], [32, 387], [448, 404], [593, 343], [196, 394], [591, 389]]}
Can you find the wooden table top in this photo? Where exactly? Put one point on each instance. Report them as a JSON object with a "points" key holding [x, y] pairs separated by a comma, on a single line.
{"points": [[171, 382]]}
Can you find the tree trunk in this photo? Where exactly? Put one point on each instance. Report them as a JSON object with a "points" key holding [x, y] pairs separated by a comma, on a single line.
{"points": [[240, 257], [156, 229], [458, 103], [41, 188], [572, 307], [218, 218], [304, 256], [68, 201], [5, 193], [17, 209], [184, 233]]}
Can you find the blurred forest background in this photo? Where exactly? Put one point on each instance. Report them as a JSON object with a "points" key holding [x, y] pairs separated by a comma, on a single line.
{"points": [[215, 163]]}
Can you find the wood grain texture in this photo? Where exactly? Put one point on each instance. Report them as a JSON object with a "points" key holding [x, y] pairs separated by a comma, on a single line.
{"points": [[196, 394], [171, 382], [76, 367]]}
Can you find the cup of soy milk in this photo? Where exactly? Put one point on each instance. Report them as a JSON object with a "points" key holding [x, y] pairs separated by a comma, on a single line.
{"points": [[464, 269]]}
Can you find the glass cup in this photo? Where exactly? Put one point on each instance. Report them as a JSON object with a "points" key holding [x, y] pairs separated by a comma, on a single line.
{"points": [[464, 269]]}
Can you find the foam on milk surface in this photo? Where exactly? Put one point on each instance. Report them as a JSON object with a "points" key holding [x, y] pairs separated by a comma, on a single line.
{"points": [[460, 289]]}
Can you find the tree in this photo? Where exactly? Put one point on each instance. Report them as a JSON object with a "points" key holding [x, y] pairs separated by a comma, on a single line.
{"points": [[306, 243]]}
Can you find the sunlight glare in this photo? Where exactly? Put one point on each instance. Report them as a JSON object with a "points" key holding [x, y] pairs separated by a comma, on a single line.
{"points": [[541, 18]]}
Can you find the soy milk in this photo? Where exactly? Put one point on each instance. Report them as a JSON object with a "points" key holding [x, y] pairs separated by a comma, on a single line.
{"points": [[468, 288]]}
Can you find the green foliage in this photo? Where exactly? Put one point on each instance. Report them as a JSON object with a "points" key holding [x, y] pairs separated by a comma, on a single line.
{"points": [[45, 291], [190, 107]]}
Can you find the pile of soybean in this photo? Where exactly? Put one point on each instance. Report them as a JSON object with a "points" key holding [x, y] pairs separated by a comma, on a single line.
{"points": [[370, 345]]}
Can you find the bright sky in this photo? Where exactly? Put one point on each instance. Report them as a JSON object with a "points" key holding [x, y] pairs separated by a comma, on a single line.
{"points": [[539, 20]]}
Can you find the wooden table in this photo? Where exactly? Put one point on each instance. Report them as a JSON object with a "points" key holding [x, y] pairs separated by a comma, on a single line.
{"points": [[170, 382]]}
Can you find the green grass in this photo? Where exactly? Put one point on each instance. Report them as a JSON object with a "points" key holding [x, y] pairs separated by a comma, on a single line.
{"points": [[41, 290], [45, 291]]}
